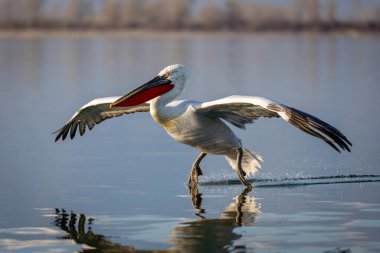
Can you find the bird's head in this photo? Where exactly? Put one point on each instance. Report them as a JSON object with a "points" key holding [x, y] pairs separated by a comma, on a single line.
{"points": [[170, 80]]}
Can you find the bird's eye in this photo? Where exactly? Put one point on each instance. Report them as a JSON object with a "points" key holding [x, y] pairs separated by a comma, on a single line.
{"points": [[165, 75]]}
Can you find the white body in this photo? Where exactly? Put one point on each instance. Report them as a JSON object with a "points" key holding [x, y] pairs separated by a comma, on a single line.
{"points": [[185, 125]]}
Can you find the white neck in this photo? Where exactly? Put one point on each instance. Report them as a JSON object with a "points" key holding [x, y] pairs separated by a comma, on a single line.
{"points": [[158, 106]]}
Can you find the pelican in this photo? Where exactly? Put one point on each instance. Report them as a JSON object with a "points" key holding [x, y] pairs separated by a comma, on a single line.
{"points": [[201, 125]]}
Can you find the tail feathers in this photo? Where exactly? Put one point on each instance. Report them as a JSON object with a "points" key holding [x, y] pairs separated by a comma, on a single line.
{"points": [[250, 162]]}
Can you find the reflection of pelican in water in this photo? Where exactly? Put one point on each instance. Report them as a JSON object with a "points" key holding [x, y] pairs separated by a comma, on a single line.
{"points": [[76, 231], [201, 125], [202, 235], [216, 235], [243, 210]]}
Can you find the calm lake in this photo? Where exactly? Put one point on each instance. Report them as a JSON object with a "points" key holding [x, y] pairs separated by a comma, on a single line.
{"points": [[121, 187]]}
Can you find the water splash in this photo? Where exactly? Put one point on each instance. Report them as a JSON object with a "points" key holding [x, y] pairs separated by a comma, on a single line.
{"points": [[299, 181]]}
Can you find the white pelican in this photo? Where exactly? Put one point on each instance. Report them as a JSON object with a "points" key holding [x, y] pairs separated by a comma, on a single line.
{"points": [[201, 125]]}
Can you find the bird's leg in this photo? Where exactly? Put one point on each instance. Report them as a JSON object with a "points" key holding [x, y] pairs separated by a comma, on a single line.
{"points": [[241, 173], [196, 170]]}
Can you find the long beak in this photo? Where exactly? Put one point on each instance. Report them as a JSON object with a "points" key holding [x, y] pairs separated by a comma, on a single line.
{"points": [[154, 88]]}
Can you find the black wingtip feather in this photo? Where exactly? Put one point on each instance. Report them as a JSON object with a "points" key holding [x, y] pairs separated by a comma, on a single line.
{"points": [[59, 131], [318, 128], [73, 130], [57, 138], [332, 132]]}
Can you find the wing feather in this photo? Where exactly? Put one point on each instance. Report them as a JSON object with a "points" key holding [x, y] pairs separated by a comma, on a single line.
{"points": [[73, 130], [94, 113], [82, 129], [237, 110], [241, 110]]}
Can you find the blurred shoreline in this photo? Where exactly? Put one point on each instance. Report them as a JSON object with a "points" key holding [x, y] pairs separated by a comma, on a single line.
{"points": [[189, 16], [31, 32]]}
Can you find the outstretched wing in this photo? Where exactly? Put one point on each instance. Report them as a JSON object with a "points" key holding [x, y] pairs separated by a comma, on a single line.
{"points": [[240, 110], [95, 112]]}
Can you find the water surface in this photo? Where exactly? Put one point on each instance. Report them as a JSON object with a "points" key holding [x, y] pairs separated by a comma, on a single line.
{"points": [[122, 184]]}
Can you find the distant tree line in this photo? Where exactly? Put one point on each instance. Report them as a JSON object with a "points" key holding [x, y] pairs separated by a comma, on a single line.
{"points": [[183, 15]]}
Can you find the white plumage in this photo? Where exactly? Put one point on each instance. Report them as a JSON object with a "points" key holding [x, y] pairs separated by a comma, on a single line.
{"points": [[201, 125]]}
